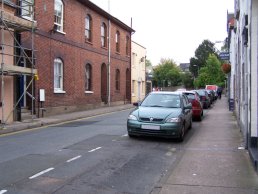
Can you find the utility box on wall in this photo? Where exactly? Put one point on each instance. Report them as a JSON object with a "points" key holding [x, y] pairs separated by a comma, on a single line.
{"points": [[42, 95]]}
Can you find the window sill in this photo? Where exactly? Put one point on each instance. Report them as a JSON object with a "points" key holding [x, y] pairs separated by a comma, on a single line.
{"points": [[88, 42], [103, 47], [59, 92], [61, 32], [118, 53], [89, 92]]}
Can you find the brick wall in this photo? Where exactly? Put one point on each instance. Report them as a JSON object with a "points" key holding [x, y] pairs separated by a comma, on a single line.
{"points": [[75, 53]]}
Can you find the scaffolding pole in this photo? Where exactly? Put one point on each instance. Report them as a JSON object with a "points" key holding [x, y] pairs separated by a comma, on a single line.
{"points": [[12, 23]]}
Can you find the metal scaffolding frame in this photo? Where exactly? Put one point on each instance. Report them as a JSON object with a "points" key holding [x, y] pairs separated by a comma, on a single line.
{"points": [[17, 18]]}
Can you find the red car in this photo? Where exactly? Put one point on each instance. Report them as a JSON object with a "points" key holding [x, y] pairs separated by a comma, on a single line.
{"points": [[197, 108]]}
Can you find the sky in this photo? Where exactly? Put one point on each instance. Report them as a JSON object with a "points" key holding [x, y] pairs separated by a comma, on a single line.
{"points": [[172, 29]]}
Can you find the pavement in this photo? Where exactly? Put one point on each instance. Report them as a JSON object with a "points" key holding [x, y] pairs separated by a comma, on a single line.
{"points": [[214, 160]]}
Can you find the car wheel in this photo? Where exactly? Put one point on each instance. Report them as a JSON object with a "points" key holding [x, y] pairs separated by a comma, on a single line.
{"points": [[182, 134], [130, 135], [190, 125], [200, 117]]}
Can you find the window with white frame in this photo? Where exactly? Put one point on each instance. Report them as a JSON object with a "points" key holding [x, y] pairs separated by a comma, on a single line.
{"points": [[59, 15], [88, 28], [27, 9], [58, 75], [117, 41], [88, 77], [103, 35], [133, 83]]}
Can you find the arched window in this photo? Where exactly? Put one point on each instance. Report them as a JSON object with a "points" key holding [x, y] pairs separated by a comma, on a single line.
{"points": [[127, 46], [117, 41], [88, 77], [117, 79], [103, 35], [88, 28], [58, 75], [59, 15]]}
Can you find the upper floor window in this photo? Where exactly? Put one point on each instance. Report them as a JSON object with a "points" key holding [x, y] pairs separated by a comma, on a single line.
{"points": [[103, 35], [88, 28], [27, 9], [88, 77], [127, 46], [59, 15], [58, 75], [118, 41], [117, 79]]}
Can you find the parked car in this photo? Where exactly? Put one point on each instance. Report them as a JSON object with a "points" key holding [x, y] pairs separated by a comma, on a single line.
{"points": [[197, 108], [205, 99], [161, 114], [212, 96]]}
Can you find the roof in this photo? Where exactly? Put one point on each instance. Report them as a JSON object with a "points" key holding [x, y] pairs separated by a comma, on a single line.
{"points": [[184, 66], [102, 12]]}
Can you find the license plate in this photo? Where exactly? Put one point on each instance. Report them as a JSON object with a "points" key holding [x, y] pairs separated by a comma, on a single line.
{"points": [[152, 127]]}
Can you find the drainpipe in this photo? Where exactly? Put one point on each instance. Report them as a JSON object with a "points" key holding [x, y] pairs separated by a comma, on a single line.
{"points": [[109, 53]]}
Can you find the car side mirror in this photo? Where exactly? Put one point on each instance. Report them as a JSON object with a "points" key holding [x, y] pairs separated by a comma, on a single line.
{"points": [[136, 103], [188, 106]]}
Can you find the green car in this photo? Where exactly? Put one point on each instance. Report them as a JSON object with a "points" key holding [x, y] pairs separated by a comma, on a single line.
{"points": [[161, 114]]}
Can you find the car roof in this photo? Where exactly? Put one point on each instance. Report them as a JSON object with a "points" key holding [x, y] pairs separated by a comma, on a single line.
{"points": [[166, 92]]}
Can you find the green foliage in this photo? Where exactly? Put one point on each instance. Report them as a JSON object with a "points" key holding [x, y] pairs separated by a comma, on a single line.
{"points": [[148, 63], [166, 73], [187, 80], [210, 74], [201, 55]]}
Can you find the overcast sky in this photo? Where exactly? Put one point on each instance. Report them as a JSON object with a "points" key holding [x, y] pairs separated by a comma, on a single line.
{"points": [[172, 28]]}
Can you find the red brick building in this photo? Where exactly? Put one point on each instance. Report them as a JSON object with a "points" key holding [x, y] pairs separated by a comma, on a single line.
{"points": [[72, 56]]}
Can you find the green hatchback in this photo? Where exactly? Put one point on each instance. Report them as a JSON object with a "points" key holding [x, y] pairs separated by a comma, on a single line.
{"points": [[161, 114]]}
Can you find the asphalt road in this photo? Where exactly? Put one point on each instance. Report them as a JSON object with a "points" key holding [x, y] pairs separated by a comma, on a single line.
{"points": [[92, 155]]}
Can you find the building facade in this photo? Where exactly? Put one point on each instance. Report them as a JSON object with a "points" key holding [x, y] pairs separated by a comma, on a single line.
{"points": [[243, 45], [83, 57], [138, 72]]}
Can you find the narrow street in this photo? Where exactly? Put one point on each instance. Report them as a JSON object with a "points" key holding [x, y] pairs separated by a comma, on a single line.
{"points": [[95, 155]]}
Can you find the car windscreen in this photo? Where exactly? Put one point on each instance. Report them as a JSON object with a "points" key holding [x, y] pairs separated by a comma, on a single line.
{"points": [[201, 92], [190, 96], [162, 100]]}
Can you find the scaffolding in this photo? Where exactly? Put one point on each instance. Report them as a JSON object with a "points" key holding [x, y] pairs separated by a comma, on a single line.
{"points": [[17, 62]]}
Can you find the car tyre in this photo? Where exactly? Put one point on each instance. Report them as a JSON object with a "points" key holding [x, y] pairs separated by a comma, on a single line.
{"points": [[200, 117], [130, 135], [182, 134], [190, 125]]}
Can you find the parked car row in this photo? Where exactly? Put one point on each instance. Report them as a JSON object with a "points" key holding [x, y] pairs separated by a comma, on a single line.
{"points": [[168, 114]]}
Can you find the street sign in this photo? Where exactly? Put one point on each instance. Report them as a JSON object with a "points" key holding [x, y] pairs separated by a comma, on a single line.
{"points": [[224, 55]]}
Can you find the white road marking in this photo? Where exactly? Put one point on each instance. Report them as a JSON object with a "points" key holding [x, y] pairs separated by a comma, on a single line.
{"points": [[75, 158], [94, 149], [125, 135], [41, 173], [3, 191]]}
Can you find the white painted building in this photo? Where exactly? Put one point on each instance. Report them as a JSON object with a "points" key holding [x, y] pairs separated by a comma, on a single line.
{"points": [[243, 43], [138, 70]]}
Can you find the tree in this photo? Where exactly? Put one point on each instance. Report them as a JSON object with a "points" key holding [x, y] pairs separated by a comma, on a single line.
{"points": [[211, 74], [187, 80], [148, 63], [201, 55], [166, 72]]}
